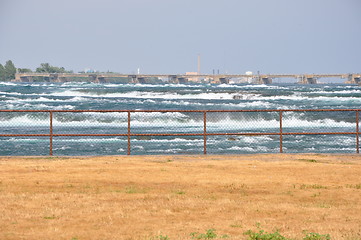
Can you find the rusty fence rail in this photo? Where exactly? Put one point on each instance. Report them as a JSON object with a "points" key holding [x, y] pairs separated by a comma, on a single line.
{"points": [[129, 134]]}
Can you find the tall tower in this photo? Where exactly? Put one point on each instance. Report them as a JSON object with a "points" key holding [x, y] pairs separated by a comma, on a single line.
{"points": [[199, 64]]}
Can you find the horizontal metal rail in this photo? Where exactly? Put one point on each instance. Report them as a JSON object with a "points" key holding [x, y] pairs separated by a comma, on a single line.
{"points": [[178, 134], [199, 111], [204, 133]]}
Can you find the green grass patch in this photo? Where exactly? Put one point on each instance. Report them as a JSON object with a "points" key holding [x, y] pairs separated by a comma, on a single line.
{"points": [[323, 205], [134, 189], [312, 186], [317, 236], [236, 225], [316, 194], [263, 235], [258, 234], [308, 160], [356, 186], [209, 234], [160, 237], [180, 192]]}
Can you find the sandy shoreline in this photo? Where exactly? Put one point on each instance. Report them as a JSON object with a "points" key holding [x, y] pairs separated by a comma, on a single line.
{"points": [[145, 197]]}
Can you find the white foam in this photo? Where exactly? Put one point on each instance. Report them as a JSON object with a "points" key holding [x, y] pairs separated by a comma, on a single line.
{"points": [[293, 122], [249, 149], [8, 84], [146, 95], [299, 97], [248, 86], [175, 140], [338, 92]]}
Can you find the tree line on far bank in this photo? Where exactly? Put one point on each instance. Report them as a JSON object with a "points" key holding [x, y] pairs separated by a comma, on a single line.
{"points": [[8, 71]]}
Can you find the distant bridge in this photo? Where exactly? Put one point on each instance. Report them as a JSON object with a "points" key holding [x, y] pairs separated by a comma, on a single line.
{"points": [[351, 78]]}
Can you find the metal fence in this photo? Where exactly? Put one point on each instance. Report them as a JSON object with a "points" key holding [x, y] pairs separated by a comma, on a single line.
{"points": [[202, 124]]}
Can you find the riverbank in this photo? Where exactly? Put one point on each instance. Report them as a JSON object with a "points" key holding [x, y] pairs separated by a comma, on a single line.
{"points": [[146, 197]]}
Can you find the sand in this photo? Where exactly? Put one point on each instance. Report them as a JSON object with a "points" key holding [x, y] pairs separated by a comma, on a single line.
{"points": [[170, 197]]}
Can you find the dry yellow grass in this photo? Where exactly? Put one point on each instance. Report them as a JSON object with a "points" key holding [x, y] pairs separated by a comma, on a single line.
{"points": [[141, 197]]}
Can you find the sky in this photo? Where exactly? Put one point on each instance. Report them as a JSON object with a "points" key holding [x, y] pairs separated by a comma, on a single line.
{"points": [[166, 36]]}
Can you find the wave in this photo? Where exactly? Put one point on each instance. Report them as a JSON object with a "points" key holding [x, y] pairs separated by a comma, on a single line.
{"points": [[28, 106], [203, 96], [249, 149], [8, 84], [249, 86], [130, 85], [146, 95], [45, 100], [298, 97], [357, 91], [78, 93]]}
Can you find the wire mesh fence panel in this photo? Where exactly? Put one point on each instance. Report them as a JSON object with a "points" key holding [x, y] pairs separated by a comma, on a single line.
{"points": [[88, 145], [90, 123], [160, 145], [166, 122], [24, 146], [357, 114], [243, 122], [177, 132], [319, 121], [24, 122], [319, 144], [235, 144]]}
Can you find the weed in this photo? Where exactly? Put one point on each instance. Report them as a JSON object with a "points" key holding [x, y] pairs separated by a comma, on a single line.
{"points": [[356, 186], [210, 234], [240, 189], [317, 236], [316, 194], [161, 237], [236, 225], [313, 186], [262, 235], [323, 205], [133, 189], [49, 217], [290, 193], [308, 160], [179, 192]]}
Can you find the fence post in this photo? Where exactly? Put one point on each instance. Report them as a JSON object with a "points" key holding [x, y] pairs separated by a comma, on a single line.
{"points": [[281, 134], [128, 132], [357, 133], [51, 134], [204, 132]]}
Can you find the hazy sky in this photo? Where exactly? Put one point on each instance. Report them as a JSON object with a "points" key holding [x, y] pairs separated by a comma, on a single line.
{"points": [[165, 36]]}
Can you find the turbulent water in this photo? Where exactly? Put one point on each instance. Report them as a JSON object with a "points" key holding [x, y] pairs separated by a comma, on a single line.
{"points": [[91, 96]]}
